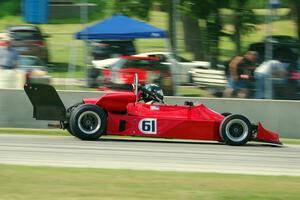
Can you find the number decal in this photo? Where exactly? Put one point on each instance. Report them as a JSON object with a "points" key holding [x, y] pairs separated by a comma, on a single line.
{"points": [[148, 126]]}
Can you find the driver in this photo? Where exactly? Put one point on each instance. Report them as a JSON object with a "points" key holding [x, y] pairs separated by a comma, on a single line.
{"points": [[158, 95]]}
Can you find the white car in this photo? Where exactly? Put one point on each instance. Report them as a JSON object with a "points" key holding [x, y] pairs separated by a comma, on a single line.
{"points": [[212, 79], [102, 64], [35, 69], [181, 66], [30, 70], [94, 77]]}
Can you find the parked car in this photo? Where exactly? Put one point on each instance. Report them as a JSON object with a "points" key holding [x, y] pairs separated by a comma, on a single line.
{"points": [[119, 75], [29, 40], [181, 65], [284, 40], [283, 52], [35, 69], [213, 80], [111, 49], [94, 77], [3, 38], [284, 49]]}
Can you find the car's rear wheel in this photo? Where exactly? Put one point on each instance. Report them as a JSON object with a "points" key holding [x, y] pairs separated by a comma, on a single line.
{"points": [[88, 122], [235, 130], [69, 112]]}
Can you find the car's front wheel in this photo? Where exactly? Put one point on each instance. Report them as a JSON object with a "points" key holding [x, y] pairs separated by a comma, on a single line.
{"points": [[235, 130], [88, 122]]}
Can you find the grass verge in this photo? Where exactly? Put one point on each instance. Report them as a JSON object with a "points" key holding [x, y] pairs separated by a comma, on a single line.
{"points": [[74, 183], [58, 132], [27, 131], [192, 91]]}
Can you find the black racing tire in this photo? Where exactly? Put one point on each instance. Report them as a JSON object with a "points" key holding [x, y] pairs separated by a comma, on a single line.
{"points": [[69, 111], [235, 130], [88, 122]]}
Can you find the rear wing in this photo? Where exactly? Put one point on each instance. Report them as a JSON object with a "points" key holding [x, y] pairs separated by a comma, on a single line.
{"points": [[47, 104]]}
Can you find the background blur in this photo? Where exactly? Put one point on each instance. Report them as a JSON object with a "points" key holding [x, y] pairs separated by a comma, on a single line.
{"points": [[209, 31]]}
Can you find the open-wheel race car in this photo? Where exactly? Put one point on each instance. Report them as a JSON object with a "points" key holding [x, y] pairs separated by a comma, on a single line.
{"points": [[142, 112]]}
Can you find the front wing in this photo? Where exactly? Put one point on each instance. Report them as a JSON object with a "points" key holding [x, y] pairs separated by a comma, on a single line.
{"points": [[264, 135]]}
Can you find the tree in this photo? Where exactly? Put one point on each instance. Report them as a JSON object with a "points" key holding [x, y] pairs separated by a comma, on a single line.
{"points": [[244, 21], [168, 6], [203, 18], [10, 7], [192, 36], [295, 5], [136, 8], [191, 29]]}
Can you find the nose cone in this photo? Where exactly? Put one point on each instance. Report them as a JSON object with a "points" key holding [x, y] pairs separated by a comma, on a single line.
{"points": [[265, 135]]}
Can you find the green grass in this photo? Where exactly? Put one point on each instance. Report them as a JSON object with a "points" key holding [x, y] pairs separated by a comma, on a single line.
{"points": [[290, 141], [47, 183], [190, 91], [73, 87], [27, 131], [59, 132]]}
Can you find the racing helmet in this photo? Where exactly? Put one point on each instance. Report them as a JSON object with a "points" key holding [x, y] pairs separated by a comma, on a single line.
{"points": [[155, 89]]}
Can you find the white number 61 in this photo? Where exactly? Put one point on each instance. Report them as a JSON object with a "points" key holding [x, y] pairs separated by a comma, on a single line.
{"points": [[148, 126]]}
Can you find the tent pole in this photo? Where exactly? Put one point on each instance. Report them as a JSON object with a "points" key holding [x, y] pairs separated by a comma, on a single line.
{"points": [[84, 18], [72, 63], [88, 60], [173, 67]]}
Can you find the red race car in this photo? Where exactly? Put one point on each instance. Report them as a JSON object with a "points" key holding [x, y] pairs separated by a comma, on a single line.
{"points": [[124, 113]]}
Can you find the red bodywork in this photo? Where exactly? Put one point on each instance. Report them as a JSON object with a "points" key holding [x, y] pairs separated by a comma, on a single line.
{"points": [[128, 117]]}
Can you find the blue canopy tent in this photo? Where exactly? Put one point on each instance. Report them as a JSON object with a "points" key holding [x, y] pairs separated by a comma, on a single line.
{"points": [[120, 27]]}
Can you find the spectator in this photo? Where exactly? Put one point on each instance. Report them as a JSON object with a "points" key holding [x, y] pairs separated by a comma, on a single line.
{"points": [[264, 74], [237, 67], [8, 56]]}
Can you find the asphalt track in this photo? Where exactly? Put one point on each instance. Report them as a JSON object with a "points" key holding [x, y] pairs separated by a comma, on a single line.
{"points": [[165, 155]]}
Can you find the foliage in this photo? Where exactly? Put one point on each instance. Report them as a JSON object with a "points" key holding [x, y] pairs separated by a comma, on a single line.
{"points": [[247, 17], [202, 9], [248, 22], [209, 31], [10, 8], [136, 8]]}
